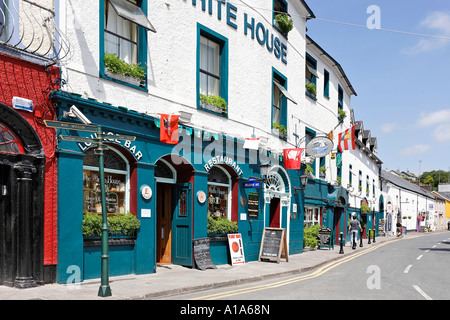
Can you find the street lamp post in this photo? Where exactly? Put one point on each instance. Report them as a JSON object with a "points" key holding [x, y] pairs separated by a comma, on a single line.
{"points": [[104, 290]]}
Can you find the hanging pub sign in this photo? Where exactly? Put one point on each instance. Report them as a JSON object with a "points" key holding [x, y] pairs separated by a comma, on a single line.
{"points": [[319, 147]]}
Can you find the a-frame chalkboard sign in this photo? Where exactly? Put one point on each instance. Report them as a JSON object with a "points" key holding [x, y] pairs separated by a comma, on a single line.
{"points": [[273, 245]]}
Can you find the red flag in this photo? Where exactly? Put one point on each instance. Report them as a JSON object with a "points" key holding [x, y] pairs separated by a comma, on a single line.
{"points": [[345, 138], [292, 158], [169, 129]]}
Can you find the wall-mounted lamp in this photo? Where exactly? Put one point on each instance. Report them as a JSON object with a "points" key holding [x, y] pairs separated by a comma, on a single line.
{"points": [[303, 181]]}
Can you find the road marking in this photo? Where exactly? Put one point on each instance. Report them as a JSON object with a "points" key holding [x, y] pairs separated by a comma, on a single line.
{"points": [[407, 268], [422, 293], [427, 250], [434, 246], [315, 274], [420, 257]]}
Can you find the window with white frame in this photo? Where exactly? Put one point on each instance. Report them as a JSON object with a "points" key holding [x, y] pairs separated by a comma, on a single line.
{"points": [[122, 21], [210, 74], [312, 215]]}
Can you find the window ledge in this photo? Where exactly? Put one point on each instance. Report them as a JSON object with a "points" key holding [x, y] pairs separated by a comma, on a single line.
{"points": [[124, 80], [310, 95]]}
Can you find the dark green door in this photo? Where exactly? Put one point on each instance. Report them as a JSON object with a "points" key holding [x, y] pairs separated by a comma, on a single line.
{"points": [[182, 226]]}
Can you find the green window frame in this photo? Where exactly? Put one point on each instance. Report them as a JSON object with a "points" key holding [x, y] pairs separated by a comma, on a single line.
{"points": [[340, 98], [279, 100], [279, 6], [309, 135], [326, 83], [138, 40], [205, 33]]}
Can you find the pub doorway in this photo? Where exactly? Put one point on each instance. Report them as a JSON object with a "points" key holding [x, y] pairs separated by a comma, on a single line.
{"points": [[164, 223], [275, 213]]}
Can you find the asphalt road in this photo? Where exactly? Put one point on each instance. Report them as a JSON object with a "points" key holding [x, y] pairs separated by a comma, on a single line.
{"points": [[405, 269]]}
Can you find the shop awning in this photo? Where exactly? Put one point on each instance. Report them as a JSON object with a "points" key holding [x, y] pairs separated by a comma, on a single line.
{"points": [[131, 12], [284, 92]]}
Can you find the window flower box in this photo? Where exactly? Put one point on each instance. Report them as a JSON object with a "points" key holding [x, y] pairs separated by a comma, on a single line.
{"points": [[214, 104], [118, 69]]}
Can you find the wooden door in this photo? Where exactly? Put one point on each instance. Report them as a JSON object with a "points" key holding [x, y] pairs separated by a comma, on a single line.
{"points": [[164, 224], [182, 226]]}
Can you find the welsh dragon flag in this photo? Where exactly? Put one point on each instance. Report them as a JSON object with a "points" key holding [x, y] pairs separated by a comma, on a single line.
{"points": [[346, 138]]}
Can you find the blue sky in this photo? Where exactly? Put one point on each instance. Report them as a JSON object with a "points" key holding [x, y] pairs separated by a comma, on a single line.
{"points": [[402, 81]]}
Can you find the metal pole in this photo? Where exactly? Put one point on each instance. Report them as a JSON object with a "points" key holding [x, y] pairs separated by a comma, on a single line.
{"points": [[104, 290]]}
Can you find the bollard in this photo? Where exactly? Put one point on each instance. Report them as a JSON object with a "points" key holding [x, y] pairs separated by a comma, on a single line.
{"points": [[360, 240], [354, 241], [341, 251], [373, 235], [368, 234]]}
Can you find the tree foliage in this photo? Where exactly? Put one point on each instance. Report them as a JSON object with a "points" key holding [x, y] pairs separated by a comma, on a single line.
{"points": [[434, 177]]}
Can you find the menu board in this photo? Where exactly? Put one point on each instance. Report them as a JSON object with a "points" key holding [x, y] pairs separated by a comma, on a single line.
{"points": [[273, 245], [325, 237], [202, 256], [253, 204]]}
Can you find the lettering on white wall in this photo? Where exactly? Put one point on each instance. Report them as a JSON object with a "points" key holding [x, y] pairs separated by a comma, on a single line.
{"points": [[256, 29]]}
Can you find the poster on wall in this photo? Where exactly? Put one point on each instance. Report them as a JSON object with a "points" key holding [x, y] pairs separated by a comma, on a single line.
{"points": [[236, 249]]}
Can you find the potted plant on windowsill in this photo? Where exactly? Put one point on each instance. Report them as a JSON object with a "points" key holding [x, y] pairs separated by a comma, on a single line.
{"points": [[311, 89], [120, 70], [214, 104], [284, 23], [322, 171], [280, 130], [342, 114]]}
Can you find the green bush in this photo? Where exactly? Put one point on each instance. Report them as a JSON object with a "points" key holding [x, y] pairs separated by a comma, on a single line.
{"points": [[92, 224], [285, 24], [118, 66], [311, 88], [310, 234], [125, 224], [221, 226]]}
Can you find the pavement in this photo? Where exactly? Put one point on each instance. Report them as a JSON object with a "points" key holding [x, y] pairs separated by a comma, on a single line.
{"points": [[173, 279]]}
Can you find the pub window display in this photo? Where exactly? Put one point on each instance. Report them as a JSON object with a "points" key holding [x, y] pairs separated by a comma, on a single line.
{"points": [[218, 193], [116, 178]]}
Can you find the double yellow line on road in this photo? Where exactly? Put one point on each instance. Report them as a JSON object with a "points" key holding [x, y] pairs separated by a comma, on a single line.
{"points": [[315, 274]]}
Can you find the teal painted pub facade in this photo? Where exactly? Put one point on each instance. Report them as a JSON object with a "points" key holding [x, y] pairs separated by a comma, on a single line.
{"points": [[184, 170]]}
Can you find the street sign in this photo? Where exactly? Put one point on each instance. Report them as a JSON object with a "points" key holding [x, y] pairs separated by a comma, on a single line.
{"points": [[79, 139], [256, 184], [116, 137], [71, 126]]}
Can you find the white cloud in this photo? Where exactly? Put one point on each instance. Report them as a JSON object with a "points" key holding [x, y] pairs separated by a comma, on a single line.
{"points": [[440, 123], [442, 133], [388, 127], [439, 23], [429, 119], [414, 150]]}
